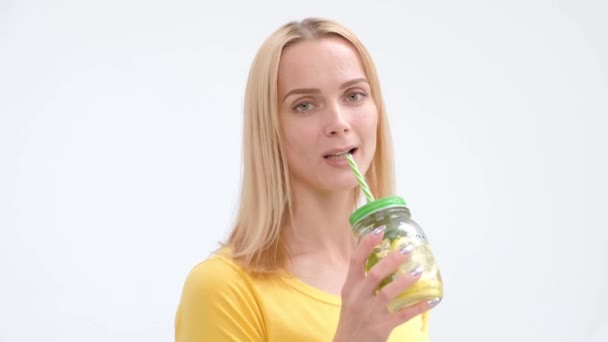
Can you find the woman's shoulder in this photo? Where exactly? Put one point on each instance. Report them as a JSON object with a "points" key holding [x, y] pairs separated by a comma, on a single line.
{"points": [[216, 283], [217, 271], [219, 302]]}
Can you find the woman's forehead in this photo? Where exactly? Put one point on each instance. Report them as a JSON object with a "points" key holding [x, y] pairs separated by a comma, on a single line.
{"points": [[325, 60]]}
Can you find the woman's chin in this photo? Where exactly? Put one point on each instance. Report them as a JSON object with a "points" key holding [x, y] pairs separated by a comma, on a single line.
{"points": [[331, 183], [340, 185]]}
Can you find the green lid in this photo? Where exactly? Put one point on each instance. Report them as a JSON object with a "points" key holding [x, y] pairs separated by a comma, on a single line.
{"points": [[374, 206]]}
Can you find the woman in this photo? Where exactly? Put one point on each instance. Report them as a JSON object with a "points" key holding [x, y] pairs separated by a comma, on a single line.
{"points": [[291, 269]]}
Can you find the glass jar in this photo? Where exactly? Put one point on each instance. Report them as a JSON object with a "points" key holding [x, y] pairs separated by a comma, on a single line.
{"points": [[399, 231]]}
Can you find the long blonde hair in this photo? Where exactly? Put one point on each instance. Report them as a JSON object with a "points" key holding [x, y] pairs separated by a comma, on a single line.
{"points": [[266, 203]]}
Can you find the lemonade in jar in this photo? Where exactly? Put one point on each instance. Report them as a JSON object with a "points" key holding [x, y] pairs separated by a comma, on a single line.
{"points": [[399, 231]]}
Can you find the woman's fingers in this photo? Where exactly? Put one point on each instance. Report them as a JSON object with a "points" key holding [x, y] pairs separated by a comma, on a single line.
{"points": [[364, 310], [410, 312], [383, 269], [356, 271], [397, 286]]}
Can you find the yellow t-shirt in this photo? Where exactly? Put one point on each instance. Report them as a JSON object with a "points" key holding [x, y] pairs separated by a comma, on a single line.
{"points": [[221, 302]]}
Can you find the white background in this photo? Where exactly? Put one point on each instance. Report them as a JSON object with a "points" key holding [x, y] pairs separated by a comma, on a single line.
{"points": [[120, 133]]}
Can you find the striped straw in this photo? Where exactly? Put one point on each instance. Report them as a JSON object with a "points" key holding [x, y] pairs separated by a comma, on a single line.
{"points": [[359, 176]]}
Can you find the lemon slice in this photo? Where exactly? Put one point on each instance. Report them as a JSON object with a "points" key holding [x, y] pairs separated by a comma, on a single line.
{"points": [[399, 243]]}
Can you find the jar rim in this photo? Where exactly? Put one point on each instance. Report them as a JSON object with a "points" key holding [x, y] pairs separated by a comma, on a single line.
{"points": [[375, 206]]}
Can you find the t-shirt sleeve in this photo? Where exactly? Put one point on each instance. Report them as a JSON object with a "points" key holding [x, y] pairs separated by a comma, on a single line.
{"points": [[218, 304]]}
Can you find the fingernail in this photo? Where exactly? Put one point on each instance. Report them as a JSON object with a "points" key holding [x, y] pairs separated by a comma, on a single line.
{"points": [[417, 271], [406, 249], [378, 230], [433, 302]]}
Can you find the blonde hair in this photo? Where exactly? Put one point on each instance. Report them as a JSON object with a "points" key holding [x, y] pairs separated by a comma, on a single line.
{"points": [[266, 204]]}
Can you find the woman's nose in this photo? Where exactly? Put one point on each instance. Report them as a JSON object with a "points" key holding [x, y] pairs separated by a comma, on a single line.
{"points": [[337, 121]]}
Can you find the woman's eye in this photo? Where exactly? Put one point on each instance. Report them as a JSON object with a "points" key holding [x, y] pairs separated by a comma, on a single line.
{"points": [[303, 106], [353, 97]]}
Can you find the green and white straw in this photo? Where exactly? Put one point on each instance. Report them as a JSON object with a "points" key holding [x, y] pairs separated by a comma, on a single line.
{"points": [[359, 177]]}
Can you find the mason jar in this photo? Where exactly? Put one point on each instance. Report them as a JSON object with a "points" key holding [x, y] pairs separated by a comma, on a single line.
{"points": [[399, 231]]}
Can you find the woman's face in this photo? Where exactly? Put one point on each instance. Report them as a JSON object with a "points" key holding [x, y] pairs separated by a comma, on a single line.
{"points": [[326, 110]]}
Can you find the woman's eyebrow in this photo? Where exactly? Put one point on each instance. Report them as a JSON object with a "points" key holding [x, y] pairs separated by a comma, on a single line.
{"points": [[353, 82], [302, 91]]}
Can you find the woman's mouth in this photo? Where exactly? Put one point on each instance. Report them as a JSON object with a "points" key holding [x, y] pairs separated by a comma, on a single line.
{"points": [[340, 155]]}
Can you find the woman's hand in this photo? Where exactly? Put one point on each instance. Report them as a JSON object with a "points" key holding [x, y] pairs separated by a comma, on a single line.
{"points": [[364, 315]]}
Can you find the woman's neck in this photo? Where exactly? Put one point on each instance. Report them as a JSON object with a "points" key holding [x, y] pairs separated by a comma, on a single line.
{"points": [[320, 240], [320, 227]]}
